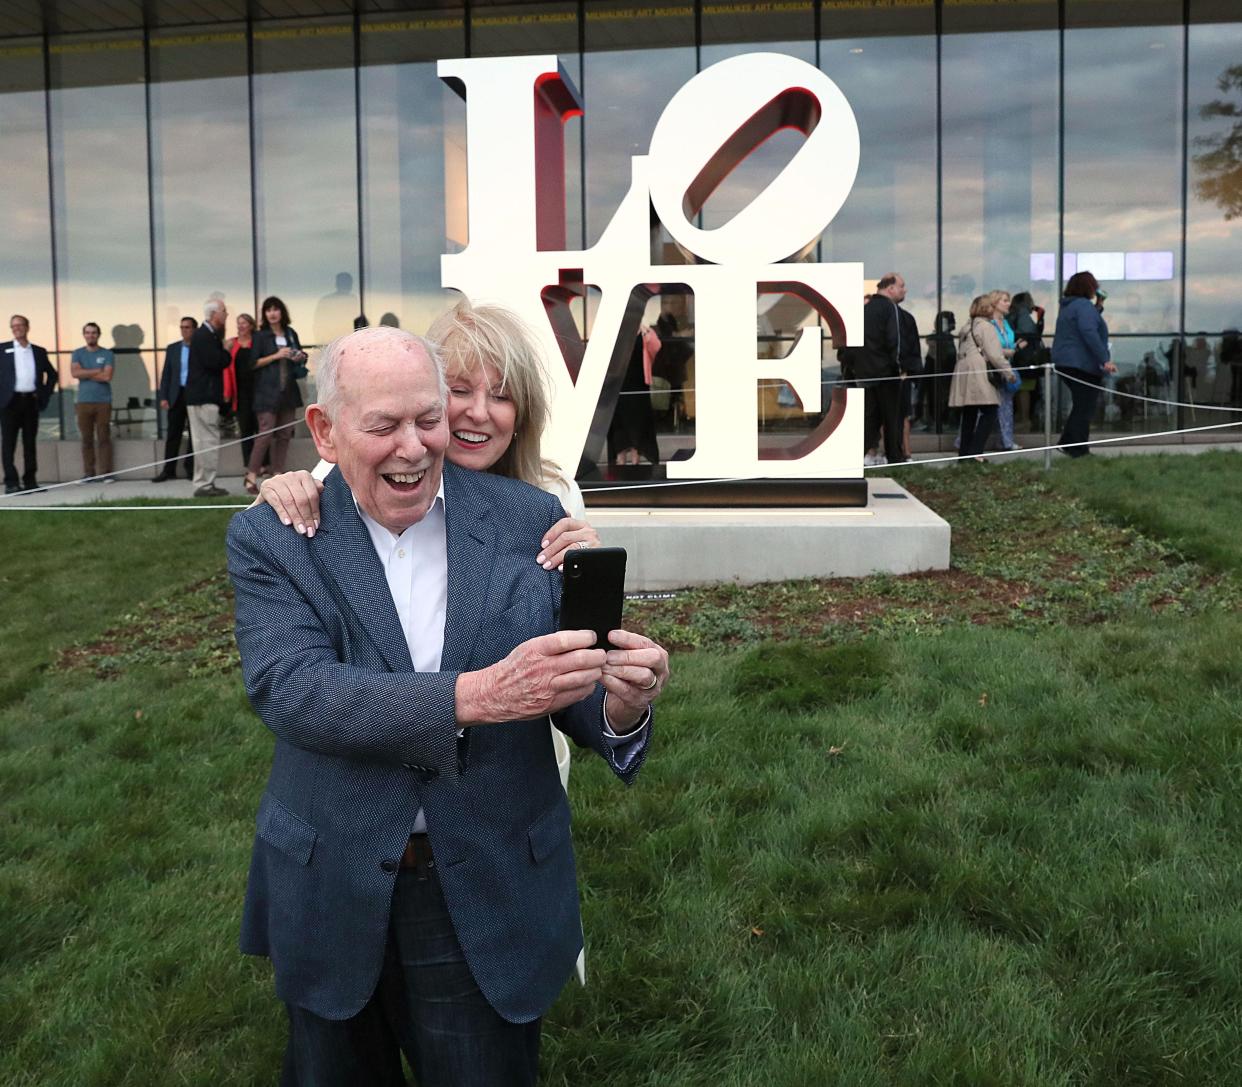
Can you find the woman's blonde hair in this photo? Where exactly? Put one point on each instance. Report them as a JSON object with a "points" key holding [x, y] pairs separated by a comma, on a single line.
{"points": [[982, 306], [995, 296], [470, 336]]}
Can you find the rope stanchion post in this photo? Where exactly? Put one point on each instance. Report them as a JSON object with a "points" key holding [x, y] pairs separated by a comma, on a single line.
{"points": [[1048, 374]]}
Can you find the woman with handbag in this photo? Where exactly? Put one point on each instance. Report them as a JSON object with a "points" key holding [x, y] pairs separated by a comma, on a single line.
{"points": [[981, 369], [278, 362]]}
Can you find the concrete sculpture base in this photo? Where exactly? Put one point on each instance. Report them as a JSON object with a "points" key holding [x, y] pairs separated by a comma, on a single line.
{"points": [[671, 549]]}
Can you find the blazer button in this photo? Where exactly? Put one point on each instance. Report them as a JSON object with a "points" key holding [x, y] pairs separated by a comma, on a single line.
{"points": [[388, 866]]}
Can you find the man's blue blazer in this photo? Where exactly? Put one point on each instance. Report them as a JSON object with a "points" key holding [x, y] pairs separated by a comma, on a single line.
{"points": [[363, 741]]}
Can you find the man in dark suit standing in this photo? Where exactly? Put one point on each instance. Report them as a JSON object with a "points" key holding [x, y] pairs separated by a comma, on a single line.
{"points": [[173, 379], [412, 878], [204, 393], [27, 380], [910, 359], [877, 367]]}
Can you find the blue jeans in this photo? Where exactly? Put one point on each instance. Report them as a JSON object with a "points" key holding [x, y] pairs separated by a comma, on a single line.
{"points": [[1004, 417], [426, 1006]]}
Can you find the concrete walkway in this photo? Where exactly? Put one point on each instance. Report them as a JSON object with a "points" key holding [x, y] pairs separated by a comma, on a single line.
{"points": [[127, 488]]}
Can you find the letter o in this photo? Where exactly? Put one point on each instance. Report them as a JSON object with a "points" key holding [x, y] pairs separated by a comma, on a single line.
{"points": [[716, 120]]}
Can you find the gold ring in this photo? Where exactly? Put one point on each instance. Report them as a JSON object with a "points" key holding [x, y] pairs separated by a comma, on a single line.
{"points": [[651, 686]]}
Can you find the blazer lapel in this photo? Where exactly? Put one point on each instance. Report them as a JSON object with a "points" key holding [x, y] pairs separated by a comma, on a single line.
{"points": [[471, 542], [352, 564]]}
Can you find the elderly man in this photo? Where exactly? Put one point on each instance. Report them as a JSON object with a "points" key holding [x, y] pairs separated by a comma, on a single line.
{"points": [[413, 876], [204, 393]]}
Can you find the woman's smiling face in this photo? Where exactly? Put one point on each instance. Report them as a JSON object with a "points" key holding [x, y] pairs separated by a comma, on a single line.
{"points": [[481, 417]]}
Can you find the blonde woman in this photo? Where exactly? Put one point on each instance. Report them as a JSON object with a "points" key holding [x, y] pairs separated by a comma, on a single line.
{"points": [[972, 387]]}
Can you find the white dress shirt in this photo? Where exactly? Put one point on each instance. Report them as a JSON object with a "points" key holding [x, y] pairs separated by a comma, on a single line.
{"points": [[416, 566], [23, 368]]}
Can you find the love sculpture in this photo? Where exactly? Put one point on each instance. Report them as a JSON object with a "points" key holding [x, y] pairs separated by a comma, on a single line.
{"points": [[516, 255]]}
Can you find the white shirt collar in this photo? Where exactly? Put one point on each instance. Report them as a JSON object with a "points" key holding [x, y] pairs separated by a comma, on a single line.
{"points": [[384, 538]]}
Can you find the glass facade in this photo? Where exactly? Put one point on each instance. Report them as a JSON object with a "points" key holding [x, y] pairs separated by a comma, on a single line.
{"points": [[309, 150]]}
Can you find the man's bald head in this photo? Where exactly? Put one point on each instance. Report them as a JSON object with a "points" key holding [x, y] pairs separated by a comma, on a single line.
{"points": [[892, 286], [347, 358]]}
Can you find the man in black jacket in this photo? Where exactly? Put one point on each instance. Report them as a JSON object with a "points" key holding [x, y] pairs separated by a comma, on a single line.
{"points": [[910, 359], [877, 367], [26, 383], [173, 379], [204, 393]]}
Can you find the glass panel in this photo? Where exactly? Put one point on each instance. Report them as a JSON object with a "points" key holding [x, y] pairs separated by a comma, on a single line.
{"points": [[200, 151], [26, 271], [1000, 163], [103, 249], [730, 33], [413, 163], [1138, 398], [1214, 213], [511, 30], [306, 192], [889, 220], [1123, 154], [1218, 380], [637, 59], [733, 32]]}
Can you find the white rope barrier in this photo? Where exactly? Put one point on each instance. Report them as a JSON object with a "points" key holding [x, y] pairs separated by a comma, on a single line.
{"points": [[666, 484], [10, 502], [162, 462], [947, 376]]}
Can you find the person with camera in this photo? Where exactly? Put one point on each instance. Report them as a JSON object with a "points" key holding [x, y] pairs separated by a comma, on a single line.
{"points": [[278, 362], [1080, 355]]}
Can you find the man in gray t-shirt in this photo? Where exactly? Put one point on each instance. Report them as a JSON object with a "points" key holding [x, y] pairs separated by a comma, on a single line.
{"points": [[92, 366]]}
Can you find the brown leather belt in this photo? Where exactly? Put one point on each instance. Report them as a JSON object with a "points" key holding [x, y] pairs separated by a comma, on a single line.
{"points": [[418, 851]]}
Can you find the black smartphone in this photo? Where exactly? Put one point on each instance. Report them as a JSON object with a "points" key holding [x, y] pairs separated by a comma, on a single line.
{"points": [[593, 591]]}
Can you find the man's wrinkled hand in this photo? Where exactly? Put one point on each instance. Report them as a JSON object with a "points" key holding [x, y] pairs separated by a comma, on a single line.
{"points": [[634, 674], [541, 676], [295, 498]]}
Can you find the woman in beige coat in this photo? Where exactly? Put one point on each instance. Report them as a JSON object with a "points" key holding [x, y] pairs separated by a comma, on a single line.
{"points": [[979, 353]]}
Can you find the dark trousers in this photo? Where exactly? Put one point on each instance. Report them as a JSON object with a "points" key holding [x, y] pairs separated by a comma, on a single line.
{"points": [[20, 417], [977, 423], [178, 424], [883, 412], [1082, 411], [426, 1006], [247, 426]]}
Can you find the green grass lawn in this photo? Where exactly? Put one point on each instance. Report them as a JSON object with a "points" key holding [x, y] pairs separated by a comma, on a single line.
{"points": [[977, 827]]}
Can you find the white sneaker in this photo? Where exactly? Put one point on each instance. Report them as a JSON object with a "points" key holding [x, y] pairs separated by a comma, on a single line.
{"points": [[869, 460], [880, 459]]}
